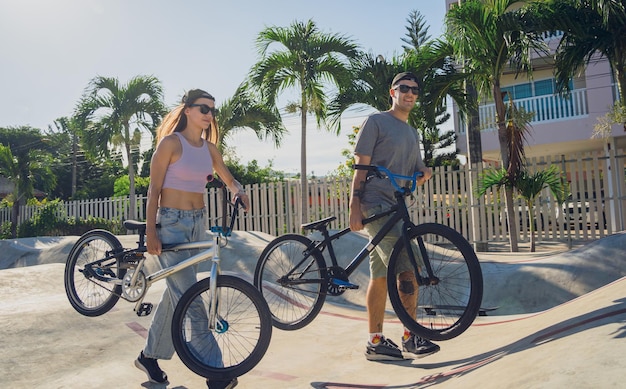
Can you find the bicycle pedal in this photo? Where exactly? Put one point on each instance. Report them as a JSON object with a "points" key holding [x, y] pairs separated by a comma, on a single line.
{"points": [[342, 284], [144, 309]]}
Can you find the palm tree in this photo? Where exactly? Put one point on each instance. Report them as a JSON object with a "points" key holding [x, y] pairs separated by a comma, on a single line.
{"points": [[432, 64], [491, 38], [69, 128], [308, 60], [431, 61], [515, 176], [589, 27], [529, 186], [116, 116], [245, 111], [25, 162]]}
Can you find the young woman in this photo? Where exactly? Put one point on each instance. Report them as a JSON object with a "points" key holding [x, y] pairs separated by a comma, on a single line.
{"points": [[185, 155]]}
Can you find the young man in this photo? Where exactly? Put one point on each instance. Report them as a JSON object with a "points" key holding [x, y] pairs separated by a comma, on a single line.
{"points": [[386, 139]]}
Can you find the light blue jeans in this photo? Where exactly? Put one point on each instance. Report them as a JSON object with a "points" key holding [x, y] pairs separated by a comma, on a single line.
{"points": [[177, 226]]}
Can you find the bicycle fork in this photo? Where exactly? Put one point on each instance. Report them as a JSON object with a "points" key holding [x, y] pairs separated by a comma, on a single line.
{"points": [[216, 323], [430, 278]]}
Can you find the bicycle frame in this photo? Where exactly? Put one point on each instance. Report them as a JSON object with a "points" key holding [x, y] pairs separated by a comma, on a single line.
{"points": [[398, 212], [210, 250]]}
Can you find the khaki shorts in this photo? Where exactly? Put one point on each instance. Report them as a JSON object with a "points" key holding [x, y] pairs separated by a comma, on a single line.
{"points": [[379, 257]]}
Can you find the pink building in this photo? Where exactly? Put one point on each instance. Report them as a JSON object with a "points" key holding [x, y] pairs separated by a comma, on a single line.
{"points": [[562, 125]]}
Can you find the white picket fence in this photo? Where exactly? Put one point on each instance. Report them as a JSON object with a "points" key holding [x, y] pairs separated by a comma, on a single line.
{"points": [[597, 207]]}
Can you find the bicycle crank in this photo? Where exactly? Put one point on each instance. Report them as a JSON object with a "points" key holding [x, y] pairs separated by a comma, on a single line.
{"points": [[338, 281]]}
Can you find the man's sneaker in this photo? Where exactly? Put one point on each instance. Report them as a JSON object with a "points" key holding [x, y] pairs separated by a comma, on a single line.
{"points": [[213, 384], [151, 368], [419, 347], [384, 350]]}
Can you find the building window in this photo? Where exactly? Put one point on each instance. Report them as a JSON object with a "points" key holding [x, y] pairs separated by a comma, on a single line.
{"points": [[532, 89]]}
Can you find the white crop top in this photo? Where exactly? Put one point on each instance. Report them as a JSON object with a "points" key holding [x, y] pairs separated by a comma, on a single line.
{"points": [[190, 172]]}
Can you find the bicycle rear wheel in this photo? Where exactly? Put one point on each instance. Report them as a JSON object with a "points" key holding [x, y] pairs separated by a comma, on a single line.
{"points": [[293, 284], [242, 336], [448, 304], [92, 273]]}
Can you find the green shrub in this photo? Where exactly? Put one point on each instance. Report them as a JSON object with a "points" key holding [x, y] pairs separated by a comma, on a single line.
{"points": [[5, 230], [51, 220]]}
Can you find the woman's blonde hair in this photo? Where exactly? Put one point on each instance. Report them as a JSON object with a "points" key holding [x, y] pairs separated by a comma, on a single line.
{"points": [[176, 120]]}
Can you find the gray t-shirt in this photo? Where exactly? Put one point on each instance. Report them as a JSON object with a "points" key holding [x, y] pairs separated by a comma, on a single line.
{"points": [[392, 143]]}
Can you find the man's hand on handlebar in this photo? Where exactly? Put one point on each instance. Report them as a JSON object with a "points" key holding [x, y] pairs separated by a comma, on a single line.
{"points": [[427, 173]]}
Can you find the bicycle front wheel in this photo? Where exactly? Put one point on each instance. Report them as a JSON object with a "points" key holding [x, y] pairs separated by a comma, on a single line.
{"points": [[448, 300], [240, 337], [292, 279], [93, 273]]}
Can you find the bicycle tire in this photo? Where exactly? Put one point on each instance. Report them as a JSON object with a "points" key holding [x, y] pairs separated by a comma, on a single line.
{"points": [[293, 306], [89, 296], [446, 309], [239, 345]]}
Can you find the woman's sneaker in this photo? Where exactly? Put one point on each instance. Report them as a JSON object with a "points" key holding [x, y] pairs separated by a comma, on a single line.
{"points": [[151, 368], [383, 350], [418, 347]]}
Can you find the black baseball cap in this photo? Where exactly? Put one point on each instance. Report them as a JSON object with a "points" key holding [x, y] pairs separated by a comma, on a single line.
{"points": [[404, 76]]}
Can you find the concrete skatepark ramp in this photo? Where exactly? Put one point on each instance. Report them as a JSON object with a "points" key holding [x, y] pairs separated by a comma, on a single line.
{"points": [[561, 322]]}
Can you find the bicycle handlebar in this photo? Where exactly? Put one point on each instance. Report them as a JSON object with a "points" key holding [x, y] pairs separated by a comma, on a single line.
{"points": [[227, 227], [383, 172]]}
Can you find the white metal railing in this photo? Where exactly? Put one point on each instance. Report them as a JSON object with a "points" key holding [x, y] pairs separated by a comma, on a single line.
{"points": [[546, 108]]}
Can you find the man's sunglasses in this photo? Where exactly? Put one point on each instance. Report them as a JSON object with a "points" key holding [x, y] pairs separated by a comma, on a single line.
{"points": [[204, 109], [406, 88]]}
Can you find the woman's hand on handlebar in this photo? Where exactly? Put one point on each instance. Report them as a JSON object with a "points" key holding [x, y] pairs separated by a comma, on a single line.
{"points": [[245, 200]]}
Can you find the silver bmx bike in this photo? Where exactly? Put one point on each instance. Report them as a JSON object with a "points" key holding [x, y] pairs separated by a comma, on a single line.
{"points": [[221, 326]]}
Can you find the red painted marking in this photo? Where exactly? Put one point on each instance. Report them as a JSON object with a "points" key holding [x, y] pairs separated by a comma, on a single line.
{"points": [[138, 329], [550, 334], [276, 376]]}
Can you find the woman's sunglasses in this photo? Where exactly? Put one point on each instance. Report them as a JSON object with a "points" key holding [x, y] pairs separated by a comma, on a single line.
{"points": [[204, 109], [406, 88]]}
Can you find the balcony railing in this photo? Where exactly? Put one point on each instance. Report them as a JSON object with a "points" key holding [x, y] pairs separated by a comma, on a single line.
{"points": [[546, 108]]}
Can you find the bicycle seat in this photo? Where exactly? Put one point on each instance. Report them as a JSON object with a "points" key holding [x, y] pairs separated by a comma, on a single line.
{"points": [[134, 225], [318, 225]]}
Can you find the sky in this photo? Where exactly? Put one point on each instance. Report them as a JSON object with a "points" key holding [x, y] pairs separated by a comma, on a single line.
{"points": [[51, 49]]}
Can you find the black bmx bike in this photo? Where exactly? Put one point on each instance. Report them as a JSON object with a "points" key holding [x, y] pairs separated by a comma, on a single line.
{"points": [[295, 276]]}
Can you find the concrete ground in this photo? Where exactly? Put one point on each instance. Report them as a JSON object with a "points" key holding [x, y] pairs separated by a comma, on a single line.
{"points": [[561, 323]]}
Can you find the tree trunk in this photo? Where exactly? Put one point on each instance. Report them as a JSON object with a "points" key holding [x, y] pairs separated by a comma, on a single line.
{"points": [[474, 142], [74, 152], [504, 153], [620, 76], [14, 217], [304, 213], [511, 219], [531, 220], [132, 214], [474, 157]]}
